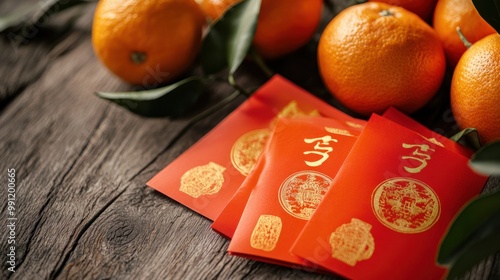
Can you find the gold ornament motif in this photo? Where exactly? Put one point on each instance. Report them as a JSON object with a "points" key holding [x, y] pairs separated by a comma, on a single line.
{"points": [[301, 193], [292, 110], [354, 125], [203, 180], [406, 205], [266, 233], [352, 242], [247, 149], [338, 131]]}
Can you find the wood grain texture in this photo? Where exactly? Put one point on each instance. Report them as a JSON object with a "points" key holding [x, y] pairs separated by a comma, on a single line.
{"points": [[81, 163]]}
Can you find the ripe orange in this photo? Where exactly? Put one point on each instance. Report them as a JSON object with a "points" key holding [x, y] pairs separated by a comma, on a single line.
{"points": [[475, 88], [283, 25], [449, 15], [213, 9], [423, 8], [147, 42], [373, 55]]}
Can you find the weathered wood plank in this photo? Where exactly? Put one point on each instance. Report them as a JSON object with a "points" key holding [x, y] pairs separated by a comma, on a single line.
{"points": [[73, 154], [26, 54], [66, 160]]}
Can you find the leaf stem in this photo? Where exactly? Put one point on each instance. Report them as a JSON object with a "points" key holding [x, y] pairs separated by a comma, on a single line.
{"points": [[262, 64], [237, 87], [466, 42], [203, 115], [214, 108]]}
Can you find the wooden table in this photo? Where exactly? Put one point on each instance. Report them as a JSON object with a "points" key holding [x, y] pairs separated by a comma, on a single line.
{"points": [[83, 209]]}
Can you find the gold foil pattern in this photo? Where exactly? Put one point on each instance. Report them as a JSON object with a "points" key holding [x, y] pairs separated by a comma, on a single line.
{"points": [[266, 233], [301, 193], [292, 110], [406, 205], [353, 124], [247, 149], [203, 180], [352, 242], [338, 131]]}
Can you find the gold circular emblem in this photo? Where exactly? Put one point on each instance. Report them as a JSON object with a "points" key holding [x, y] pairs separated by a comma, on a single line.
{"points": [[247, 149], [406, 205], [302, 192]]}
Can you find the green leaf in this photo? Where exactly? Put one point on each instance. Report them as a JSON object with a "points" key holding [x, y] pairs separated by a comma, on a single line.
{"points": [[35, 14], [475, 233], [473, 236], [171, 101], [240, 40], [229, 39], [488, 245], [470, 135], [487, 159], [16, 17], [490, 11], [467, 225], [213, 52], [59, 6]]}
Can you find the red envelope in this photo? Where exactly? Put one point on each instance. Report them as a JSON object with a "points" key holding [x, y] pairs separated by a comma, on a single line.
{"points": [[396, 116], [389, 206], [294, 172], [207, 175], [228, 220]]}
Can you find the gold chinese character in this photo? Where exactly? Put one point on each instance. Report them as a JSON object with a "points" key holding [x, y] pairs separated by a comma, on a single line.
{"points": [[420, 154], [433, 141], [321, 148]]}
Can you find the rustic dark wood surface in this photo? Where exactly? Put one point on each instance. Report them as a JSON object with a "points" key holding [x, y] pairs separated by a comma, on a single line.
{"points": [[83, 209]]}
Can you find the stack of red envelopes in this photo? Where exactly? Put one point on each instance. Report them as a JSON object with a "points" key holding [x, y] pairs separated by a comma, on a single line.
{"points": [[208, 174], [293, 181]]}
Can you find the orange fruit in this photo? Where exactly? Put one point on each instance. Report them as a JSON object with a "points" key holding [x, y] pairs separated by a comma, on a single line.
{"points": [[423, 8], [475, 88], [213, 9], [372, 56], [283, 25], [147, 42], [449, 15]]}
